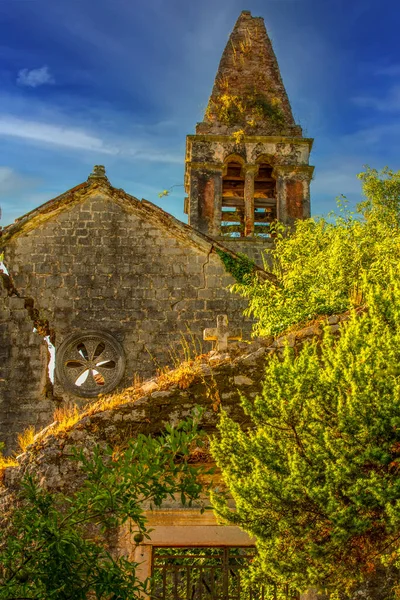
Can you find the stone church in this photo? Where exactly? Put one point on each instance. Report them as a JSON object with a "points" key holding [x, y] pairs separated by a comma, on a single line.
{"points": [[119, 286]]}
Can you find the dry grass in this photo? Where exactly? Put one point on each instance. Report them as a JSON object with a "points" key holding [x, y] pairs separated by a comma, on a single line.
{"points": [[25, 438], [5, 463], [186, 370], [67, 416], [182, 376]]}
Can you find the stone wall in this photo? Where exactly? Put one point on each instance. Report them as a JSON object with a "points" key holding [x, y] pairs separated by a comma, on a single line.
{"points": [[111, 263], [25, 394], [217, 381], [212, 382], [252, 247]]}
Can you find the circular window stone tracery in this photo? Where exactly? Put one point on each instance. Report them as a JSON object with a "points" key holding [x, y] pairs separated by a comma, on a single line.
{"points": [[90, 363]]}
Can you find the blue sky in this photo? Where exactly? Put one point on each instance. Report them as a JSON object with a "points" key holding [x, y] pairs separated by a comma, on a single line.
{"points": [[121, 83]]}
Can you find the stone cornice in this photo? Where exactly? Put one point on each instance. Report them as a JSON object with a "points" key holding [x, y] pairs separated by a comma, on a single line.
{"points": [[288, 170], [253, 139], [216, 167]]}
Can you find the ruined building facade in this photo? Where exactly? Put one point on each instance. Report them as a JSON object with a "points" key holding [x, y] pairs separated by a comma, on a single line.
{"points": [[122, 288]]}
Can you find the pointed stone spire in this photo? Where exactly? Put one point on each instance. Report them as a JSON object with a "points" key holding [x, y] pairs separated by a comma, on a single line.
{"points": [[248, 93]]}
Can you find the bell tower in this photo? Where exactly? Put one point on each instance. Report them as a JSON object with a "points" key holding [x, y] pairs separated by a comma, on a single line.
{"points": [[247, 164]]}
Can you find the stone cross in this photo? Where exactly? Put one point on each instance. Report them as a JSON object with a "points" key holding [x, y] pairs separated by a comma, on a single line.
{"points": [[221, 334]]}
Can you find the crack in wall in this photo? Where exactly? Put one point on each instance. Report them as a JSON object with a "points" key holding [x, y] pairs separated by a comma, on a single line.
{"points": [[173, 304], [203, 268], [40, 326], [203, 287]]}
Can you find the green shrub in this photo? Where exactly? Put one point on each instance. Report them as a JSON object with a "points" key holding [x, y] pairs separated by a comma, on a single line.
{"points": [[320, 264]]}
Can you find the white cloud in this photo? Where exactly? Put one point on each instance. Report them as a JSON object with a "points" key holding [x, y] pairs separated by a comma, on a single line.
{"points": [[52, 134], [390, 103], [140, 148], [35, 77], [369, 138]]}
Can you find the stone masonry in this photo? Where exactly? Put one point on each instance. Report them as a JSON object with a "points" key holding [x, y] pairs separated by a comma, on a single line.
{"points": [[98, 259], [25, 394], [121, 287], [247, 164], [212, 382], [248, 66]]}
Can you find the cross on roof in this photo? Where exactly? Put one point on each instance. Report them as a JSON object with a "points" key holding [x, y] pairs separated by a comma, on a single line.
{"points": [[221, 333]]}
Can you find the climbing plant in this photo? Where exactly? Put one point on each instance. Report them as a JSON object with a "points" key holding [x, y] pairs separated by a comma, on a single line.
{"points": [[240, 268]]}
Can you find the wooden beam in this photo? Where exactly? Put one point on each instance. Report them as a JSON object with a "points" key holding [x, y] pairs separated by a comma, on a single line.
{"points": [[236, 201], [264, 202]]}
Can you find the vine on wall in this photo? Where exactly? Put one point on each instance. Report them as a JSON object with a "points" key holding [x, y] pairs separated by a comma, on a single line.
{"points": [[240, 268]]}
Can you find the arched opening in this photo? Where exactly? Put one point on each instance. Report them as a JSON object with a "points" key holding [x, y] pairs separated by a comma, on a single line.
{"points": [[265, 205], [232, 217]]}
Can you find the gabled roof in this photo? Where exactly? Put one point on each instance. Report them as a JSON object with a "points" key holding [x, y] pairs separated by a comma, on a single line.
{"points": [[99, 185]]}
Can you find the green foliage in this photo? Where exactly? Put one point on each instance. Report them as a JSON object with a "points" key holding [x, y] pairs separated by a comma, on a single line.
{"points": [[53, 545], [321, 263], [316, 477], [264, 108], [382, 195], [240, 268], [249, 108]]}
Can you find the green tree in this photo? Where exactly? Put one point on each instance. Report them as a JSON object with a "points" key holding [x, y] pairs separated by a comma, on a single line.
{"points": [[316, 477], [321, 264], [53, 546]]}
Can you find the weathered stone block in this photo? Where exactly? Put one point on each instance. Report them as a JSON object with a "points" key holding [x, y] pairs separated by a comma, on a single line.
{"points": [[16, 303]]}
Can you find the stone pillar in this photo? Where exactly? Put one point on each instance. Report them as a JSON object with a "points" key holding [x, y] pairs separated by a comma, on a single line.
{"points": [[281, 211], [306, 197], [143, 555], [250, 172], [293, 192], [205, 197], [216, 227]]}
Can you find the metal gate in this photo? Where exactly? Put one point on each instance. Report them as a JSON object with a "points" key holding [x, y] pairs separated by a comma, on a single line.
{"points": [[211, 573]]}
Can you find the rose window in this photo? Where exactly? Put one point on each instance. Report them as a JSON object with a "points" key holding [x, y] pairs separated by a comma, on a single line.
{"points": [[89, 364]]}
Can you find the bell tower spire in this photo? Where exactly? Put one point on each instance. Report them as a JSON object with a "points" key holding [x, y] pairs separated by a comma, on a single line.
{"points": [[247, 164], [248, 91]]}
